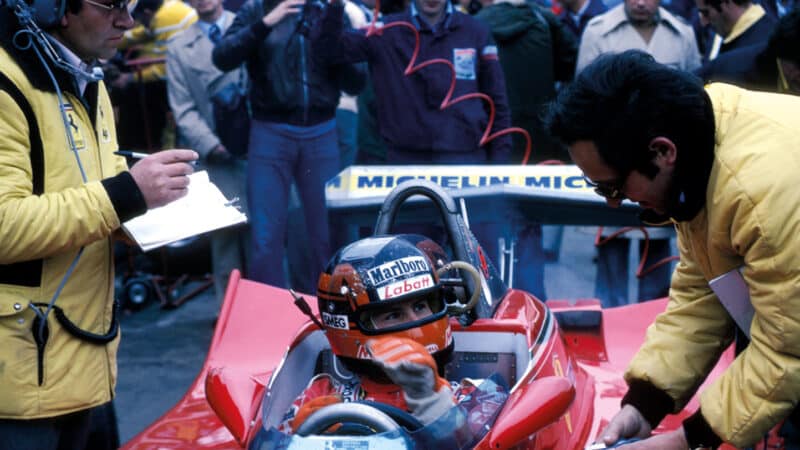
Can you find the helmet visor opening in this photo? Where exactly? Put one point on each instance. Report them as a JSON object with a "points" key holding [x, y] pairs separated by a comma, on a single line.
{"points": [[400, 315]]}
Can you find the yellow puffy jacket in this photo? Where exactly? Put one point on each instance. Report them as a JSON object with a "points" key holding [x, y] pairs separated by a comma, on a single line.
{"points": [[751, 220], [47, 213], [172, 17]]}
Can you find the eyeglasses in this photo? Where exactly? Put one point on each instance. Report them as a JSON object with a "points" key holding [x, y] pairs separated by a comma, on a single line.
{"points": [[116, 5], [609, 190]]}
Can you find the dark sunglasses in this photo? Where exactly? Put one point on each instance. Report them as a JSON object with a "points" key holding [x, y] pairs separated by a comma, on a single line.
{"points": [[611, 191]]}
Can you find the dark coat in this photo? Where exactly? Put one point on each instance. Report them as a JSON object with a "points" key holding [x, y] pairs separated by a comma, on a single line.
{"points": [[750, 67], [757, 33], [410, 119], [535, 52], [286, 85], [595, 8]]}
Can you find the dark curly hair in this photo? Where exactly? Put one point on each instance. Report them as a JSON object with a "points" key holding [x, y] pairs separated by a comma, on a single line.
{"points": [[621, 102]]}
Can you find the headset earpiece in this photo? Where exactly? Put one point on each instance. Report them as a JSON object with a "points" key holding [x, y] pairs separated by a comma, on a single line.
{"points": [[46, 13]]}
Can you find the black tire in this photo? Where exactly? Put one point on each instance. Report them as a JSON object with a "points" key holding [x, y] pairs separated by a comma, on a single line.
{"points": [[136, 294]]}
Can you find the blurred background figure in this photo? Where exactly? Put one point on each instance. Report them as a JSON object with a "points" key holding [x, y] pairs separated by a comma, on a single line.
{"points": [[293, 133], [410, 120], [535, 52], [358, 15], [140, 90], [736, 24], [642, 25], [778, 8], [772, 65], [575, 14], [197, 91]]}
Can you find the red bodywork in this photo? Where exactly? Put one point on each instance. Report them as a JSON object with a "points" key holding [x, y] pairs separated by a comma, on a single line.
{"points": [[569, 390]]}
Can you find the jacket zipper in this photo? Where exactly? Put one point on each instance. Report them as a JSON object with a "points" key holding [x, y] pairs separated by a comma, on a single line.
{"points": [[304, 78]]}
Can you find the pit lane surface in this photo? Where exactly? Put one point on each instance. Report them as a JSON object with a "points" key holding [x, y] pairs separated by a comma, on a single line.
{"points": [[162, 350], [160, 354]]}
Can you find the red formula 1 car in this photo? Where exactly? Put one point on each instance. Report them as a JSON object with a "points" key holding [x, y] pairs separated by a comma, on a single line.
{"points": [[560, 364]]}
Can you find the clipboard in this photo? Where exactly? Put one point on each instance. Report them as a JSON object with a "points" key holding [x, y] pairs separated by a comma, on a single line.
{"points": [[733, 293], [204, 208]]}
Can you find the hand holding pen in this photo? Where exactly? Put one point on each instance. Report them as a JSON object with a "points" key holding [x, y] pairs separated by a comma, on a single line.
{"points": [[141, 155], [163, 176]]}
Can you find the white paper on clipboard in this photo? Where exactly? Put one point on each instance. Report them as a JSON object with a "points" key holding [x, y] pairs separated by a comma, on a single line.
{"points": [[203, 209], [733, 293]]}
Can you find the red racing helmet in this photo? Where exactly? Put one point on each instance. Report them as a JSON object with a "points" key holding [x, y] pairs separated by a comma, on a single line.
{"points": [[368, 281]]}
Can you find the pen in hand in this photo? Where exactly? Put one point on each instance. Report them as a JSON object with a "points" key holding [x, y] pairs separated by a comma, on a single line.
{"points": [[141, 155], [130, 154]]}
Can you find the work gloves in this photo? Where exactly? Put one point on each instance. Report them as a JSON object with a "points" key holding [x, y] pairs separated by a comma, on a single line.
{"points": [[409, 365], [310, 407]]}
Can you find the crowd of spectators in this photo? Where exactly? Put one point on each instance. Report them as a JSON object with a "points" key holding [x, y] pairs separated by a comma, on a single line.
{"points": [[277, 96], [324, 95]]}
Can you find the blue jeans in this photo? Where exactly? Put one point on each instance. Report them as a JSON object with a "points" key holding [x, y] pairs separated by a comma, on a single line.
{"points": [[346, 123], [278, 154], [611, 284], [529, 269]]}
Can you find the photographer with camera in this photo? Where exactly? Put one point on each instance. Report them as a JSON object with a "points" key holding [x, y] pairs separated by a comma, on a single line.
{"points": [[293, 131]]}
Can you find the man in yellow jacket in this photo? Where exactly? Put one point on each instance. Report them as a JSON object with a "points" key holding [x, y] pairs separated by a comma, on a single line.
{"points": [[722, 164], [63, 195]]}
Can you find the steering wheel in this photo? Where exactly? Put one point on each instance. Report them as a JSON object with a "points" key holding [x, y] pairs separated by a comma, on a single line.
{"points": [[378, 417], [456, 233]]}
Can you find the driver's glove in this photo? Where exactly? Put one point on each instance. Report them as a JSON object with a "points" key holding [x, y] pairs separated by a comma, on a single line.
{"points": [[409, 365], [310, 407]]}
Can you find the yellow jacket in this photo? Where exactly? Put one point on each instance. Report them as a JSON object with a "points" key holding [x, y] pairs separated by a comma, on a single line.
{"points": [[47, 213], [172, 17], [751, 220]]}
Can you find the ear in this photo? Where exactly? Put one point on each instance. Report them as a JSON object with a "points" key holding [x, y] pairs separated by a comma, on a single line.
{"points": [[665, 150]]}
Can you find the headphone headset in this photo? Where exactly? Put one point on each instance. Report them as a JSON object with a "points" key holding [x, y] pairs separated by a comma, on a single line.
{"points": [[45, 13]]}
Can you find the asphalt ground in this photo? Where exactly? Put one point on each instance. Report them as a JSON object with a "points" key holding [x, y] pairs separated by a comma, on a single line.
{"points": [[160, 354], [162, 350]]}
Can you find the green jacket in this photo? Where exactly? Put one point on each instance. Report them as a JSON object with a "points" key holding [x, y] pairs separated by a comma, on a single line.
{"points": [[47, 213], [751, 220], [535, 52]]}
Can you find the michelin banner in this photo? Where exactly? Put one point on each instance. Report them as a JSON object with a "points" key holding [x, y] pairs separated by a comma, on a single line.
{"points": [[377, 181]]}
